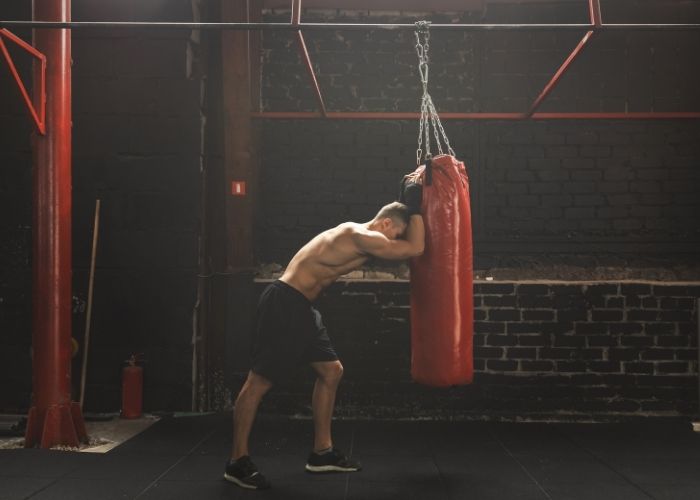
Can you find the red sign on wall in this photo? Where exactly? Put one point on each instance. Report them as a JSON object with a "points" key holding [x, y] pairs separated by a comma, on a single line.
{"points": [[238, 188]]}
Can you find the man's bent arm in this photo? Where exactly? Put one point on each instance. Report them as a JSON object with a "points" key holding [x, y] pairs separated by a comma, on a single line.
{"points": [[415, 234], [378, 245]]}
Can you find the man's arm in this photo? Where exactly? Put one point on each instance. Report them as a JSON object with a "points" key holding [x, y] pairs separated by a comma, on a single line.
{"points": [[376, 244]]}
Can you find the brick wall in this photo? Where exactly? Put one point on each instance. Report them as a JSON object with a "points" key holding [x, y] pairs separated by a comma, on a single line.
{"points": [[601, 198], [623, 189], [542, 350]]}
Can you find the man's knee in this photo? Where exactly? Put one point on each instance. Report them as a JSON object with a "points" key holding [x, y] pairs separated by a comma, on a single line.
{"points": [[330, 372], [256, 384]]}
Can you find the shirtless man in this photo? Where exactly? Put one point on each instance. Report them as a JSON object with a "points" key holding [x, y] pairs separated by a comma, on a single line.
{"points": [[289, 331]]}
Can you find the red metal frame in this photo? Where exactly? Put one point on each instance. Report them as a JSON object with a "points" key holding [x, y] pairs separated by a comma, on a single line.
{"points": [[296, 21], [596, 23], [594, 11], [40, 116]]}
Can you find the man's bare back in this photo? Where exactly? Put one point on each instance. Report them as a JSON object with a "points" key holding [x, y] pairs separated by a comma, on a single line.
{"points": [[339, 250], [323, 260]]}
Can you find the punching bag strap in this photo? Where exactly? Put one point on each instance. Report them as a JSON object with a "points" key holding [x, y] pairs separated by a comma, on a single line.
{"points": [[428, 114], [428, 171], [402, 186]]}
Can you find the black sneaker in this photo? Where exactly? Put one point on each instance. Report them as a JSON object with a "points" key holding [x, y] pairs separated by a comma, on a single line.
{"points": [[334, 461], [245, 474]]}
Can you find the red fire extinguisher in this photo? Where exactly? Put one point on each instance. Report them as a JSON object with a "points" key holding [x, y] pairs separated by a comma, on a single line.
{"points": [[132, 388]]}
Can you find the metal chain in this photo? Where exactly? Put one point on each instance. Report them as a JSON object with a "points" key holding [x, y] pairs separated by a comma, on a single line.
{"points": [[421, 51], [434, 118], [442, 130], [429, 115]]}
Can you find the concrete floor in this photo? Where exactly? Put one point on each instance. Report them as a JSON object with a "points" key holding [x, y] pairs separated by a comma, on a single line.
{"points": [[184, 458], [105, 433]]}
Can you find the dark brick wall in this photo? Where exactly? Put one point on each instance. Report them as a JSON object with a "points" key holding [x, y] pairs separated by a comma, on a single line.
{"points": [[596, 350], [622, 193], [137, 134], [15, 231], [572, 187], [136, 146], [607, 196], [602, 197]]}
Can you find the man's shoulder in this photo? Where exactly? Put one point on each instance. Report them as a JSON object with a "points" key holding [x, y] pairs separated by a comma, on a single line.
{"points": [[351, 228], [351, 233]]}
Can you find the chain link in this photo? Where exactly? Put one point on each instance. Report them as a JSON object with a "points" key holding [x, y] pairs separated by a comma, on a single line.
{"points": [[428, 114]]}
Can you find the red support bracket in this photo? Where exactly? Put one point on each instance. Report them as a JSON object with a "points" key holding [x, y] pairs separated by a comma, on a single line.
{"points": [[596, 22], [560, 72], [296, 21], [594, 10], [40, 116]]}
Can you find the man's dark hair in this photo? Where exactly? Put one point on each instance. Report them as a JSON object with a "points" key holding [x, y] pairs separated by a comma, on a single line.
{"points": [[396, 211]]}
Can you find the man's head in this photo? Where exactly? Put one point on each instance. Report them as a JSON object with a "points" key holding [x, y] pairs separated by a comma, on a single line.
{"points": [[391, 220]]}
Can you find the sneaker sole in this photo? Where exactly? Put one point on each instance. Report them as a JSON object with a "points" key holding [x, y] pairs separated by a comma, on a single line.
{"points": [[330, 468], [240, 483]]}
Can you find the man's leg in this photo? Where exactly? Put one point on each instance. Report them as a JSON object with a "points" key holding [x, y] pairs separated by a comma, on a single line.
{"points": [[252, 392], [323, 400]]}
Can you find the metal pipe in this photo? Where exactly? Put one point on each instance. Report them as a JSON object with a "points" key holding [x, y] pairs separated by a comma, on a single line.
{"points": [[52, 220], [296, 12], [334, 115], [53, 418], [347, 26]]}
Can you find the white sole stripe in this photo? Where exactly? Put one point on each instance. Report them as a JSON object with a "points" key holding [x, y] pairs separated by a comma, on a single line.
{"points": [[240, 483], [330, 468]]}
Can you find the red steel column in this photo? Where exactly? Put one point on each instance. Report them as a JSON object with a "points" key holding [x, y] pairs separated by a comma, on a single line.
{"points": [[53, 418]]}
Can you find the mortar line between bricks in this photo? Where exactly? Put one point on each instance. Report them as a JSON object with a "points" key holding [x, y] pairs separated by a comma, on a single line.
{"points": [[155, 481], [534, 480], [606, 464]]}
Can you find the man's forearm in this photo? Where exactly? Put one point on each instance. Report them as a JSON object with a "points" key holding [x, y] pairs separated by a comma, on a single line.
{"points": [[415, 233]]}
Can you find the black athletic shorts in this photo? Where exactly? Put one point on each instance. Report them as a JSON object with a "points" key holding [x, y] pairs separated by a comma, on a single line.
{"points": [[288, 332]]}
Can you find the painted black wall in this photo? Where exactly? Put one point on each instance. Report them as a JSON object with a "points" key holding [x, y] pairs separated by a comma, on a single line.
{"points": [[137, 147], [615, 194]]}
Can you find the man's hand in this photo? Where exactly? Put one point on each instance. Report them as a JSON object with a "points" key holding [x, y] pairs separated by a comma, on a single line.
{"points": [[413, 197], [412, 193]]}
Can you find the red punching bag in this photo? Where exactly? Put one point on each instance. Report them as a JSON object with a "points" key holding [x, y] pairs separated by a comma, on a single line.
{"points": [[442, 304]]}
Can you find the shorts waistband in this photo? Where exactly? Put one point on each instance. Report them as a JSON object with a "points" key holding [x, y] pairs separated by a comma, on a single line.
{"points": [[291, 290]]}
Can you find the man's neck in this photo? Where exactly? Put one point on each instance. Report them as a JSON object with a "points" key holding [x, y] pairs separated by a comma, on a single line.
{"points": [[371, 225]]}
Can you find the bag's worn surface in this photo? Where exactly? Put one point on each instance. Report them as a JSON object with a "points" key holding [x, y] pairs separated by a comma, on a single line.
{"points": [[442, 304]]}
